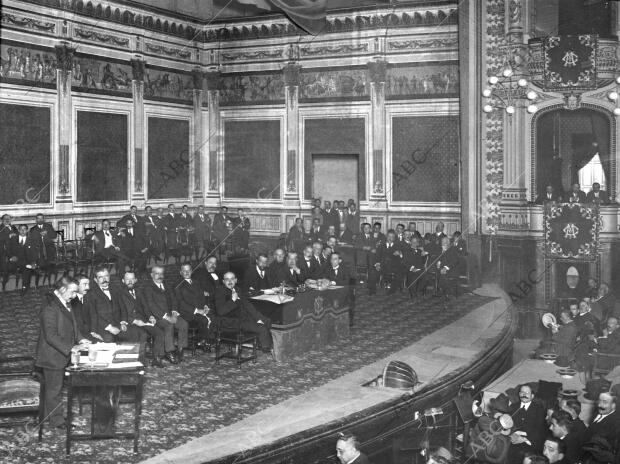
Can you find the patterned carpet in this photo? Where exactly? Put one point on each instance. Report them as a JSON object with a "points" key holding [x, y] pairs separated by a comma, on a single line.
{"points": [[197, 397]]}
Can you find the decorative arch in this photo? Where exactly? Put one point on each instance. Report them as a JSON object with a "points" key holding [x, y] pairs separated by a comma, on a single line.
{"points": [[612, 143]]}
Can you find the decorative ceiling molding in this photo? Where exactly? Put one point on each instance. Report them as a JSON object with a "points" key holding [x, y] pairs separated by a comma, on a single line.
{"points": [[423, 44], [95, 36], [169, 51], [334, 49], [251, 55], [24, 22]]}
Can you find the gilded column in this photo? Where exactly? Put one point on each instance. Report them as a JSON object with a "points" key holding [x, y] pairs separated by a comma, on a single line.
{"points": [[291, 171], [215, 141], [138, 179], [64, 184], [377, 71], [196, 159]]}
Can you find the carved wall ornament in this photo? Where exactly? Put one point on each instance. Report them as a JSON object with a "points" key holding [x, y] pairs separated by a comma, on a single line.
{"points": [[572, 101], [423, 44], [138, 67], [334, 49], [377, 70], [255, 55], [29, 23], [98, 37], [180, 52]]}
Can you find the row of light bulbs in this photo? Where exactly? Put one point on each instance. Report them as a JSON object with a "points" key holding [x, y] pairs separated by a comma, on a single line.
{"points": [[510, 107]]}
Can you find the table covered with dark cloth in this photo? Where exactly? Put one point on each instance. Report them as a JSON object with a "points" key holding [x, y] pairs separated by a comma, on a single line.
{"points": [[310, 321]]}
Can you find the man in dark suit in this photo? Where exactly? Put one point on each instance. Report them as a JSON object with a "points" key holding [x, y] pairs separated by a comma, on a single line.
{"points": [[565, 336], [550, 196], [317, 231], [459, 243], [447, 265], [128, 301], [336, 273], [105, 317], [133, 246], [348, 450], [219, 224], [292, 274], [400, 234], [171, 228], [229, 304], [330, 216], [610, 341], [255, 278], [576, 195], [43, 236], [107, 245], [202, 229], [7, 232], [606, 423], [436, 238], [530, 427], [23, 256], [377, 235], [208, 279], [160, 302], [413, 230], [562, 428], [308, 266], [59, 334], [414, 261], [80, 312], [596, 195], [352, 222], [193, 304], [296, 236], [319, 258], [138, 221], [388, 262], [153, 233], [277, 269]]}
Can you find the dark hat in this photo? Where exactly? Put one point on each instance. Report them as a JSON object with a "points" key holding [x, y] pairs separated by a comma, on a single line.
{"points": [[513, 395], [599, 448], [500, 404], [595, 387], [562, 361]]}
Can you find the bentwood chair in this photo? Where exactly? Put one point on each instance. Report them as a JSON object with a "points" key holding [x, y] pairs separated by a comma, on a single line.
{"points": [[228, 333]]}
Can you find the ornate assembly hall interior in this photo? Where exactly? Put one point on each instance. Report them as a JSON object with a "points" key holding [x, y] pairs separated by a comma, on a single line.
{"points": [[309, 231]]}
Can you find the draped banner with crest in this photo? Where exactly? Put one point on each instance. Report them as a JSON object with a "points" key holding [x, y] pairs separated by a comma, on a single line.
{"points": [[572, 231], [570, 62]]}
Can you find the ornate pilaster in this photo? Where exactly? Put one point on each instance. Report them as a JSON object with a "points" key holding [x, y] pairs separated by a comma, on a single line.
{"points": [[377, 71], [515, 149], [137, 84], [64, 62], [291, 177], [196, 159], [214, 144]]}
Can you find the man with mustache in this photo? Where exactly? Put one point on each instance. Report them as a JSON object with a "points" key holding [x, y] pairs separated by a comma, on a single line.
{"points": [[529, 426], [229, 304], [606, 423]]}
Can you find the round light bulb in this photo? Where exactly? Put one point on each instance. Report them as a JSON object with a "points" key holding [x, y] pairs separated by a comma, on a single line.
{"points": [[510, 109], [487, 108], [613, 95], [532, 109], [507, 72], [522, 82], [493, 80], [486, 93], [531, 95], [617, 111], [618, 80]]}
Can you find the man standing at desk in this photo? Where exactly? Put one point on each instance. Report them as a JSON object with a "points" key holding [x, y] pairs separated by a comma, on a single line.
{"points": [[228, 303], [59, 333]]}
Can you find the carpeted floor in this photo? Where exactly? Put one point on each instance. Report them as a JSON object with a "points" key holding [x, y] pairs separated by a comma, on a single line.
{"points": [[197, 397]]}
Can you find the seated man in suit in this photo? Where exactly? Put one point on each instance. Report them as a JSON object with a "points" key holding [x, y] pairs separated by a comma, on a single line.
{"points": [[596, 195], [576, 195], [293, 276], [138, 221], [7, 232], [208, 279], [377, 235], [193, 304], [219, 224], [400, 233], [317, 231], [43, 236], [318, 257], [255, 278], [459, 243], [23, 256], [434, 247], [58, 335], [609, 342], [348, 450], [388, 263], [81, 313], [548, 197], [336, 272], [128, 300], [606, 422], [530, 427], [309, 268], [229, 304], [563, 428], [415, 261], [107, 245], [160, 302], [276, 271], [413, 230], [447, 264]]}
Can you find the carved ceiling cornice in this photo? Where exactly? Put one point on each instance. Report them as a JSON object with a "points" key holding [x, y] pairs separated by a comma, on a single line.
{"points": [[268, 27]]}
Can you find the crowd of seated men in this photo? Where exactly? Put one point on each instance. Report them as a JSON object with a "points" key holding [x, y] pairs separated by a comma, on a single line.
{"points": [[537, 423], [574, 195], [585, 325], [130, 242]]}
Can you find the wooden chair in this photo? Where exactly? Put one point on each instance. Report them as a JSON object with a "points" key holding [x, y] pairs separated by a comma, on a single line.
{"points": [[21, 395], [229, 333]]}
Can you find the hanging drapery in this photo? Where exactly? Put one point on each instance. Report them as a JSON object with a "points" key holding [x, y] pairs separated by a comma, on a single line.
{"points": [[309, 15]]}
